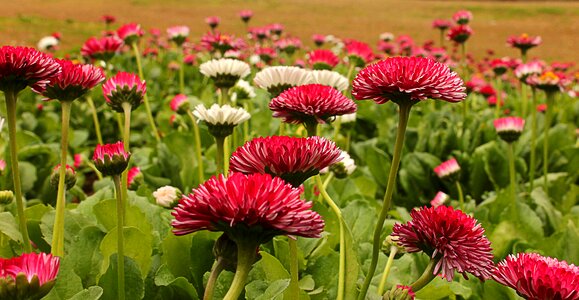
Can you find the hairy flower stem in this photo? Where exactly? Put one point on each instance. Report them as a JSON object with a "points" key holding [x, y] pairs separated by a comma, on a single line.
{"points": [[246, 255], [404, 114], [512, 177], [145, 98], [182, 72], [198, 153], [58, 227], [120, 238], [11, 97], [338, 212], [126, 140], [218, 266], [311, 128], [524, 100], [426, 276], [499, 97], [548, 117], [219, 141], [460, 195], [294, 288], [95, 119], [246, 123], [393, 251], [533, 162]]}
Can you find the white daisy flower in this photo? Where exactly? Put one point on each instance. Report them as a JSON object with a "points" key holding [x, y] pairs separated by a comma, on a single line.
{"points": [[347, 118], [47, 43], [330, 78], [386, 36], [221, 115], [343, 168], [280, 78], [224, 66], [242, 90], [254, 59], [167, 196]]}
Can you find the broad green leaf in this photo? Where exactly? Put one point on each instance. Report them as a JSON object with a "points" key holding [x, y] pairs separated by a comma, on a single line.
{"points": [[85, 254], [137, 246], [92, 293], [134, 286], [67, 284]]}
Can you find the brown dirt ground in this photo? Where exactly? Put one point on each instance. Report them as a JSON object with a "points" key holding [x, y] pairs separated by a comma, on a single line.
{"points": [[25, 21]]}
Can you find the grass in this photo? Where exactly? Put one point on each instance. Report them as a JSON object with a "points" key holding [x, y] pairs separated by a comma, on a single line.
{"points": [[26, 21]]}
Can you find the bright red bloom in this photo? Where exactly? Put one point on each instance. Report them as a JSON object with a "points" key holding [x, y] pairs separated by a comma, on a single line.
{"points": [[310, 104], [536, 277], [288, 45], [104, 48], [524, 42], [441, 24], [500, 66], [449, 236], [447, 169], [178, 34], [439, 199], [246, 15], [266, 54], [319, 39], [459, 34], [257, 205], [179, 102], [360, 52], [212, 21], [276, 28], [215, 41], [124, 88], [111, 159], [132, 175], [130, 33], [408, 78], [38, 270], [487, 91], [293, 159], [386, 47], [72, 83], [108, 19], [78, 160], [509, 128], [322, 59], [22, 66], [462, 17]]}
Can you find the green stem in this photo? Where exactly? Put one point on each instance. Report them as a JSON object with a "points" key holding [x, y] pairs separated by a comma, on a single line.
{"points": [[524, 101], [460, 195], [337, 126], [120, 239], [224, 93], [220, 154], [499, 97], [533, 139], [404, 114], [246, 123], [126, 140], [426, 276], [550, 107], [441, 38], [215, 271], [145, 98], [342, 263], [198, 153], [11, 98], [512, 178], [246, 255], [393, 251], [294, 288], [120, 124], [95, 119], [58, 227], [182, 74], [281, 128], [226, 151], [311, 128]]}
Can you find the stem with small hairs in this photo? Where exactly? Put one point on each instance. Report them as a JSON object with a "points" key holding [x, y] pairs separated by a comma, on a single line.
{"points": [[246, 255], [145, 98], [95, 119], [393, 251], [120, 238], [198, 153]]}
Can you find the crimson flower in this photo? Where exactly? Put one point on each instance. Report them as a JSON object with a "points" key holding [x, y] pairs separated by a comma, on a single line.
{"points": [[509, 128], [133, 176], [462, 17], [256, 205], [311, 104], [322, 59], [524, 42], [408, 79], [30, 276], [459, 34], [212, 21], [246, 15], [448, 169], [536, 277], [124, 88], [441, 24], [179, 103], [130, 33], [104, 48], [111, 159], [108, 19], [23, 66], [449, 236], [359, 53], [72, 83], [319, 39], [293, 159]]}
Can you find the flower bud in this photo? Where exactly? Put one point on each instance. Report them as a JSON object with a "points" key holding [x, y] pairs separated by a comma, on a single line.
{"points": [[111, 159], [226, 250], [6, 197], [167, 196], [69, 177], [390, 244], [400, 292]]}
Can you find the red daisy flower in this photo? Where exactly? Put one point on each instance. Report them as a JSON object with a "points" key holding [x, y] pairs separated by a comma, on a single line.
{"points": [[72, 83], [524, 42], [104, 48], [246, 15], [322, 59], [130, 33], [179, 103], [459, 34], [462, 17], [408, 78], [257, 205], [535, 277], [111, 159], [30, 276], [212, 21], [311, 104], [359, 52], [441, 24], [449, 236], [22, 66], [124, 88], [509, 128], [293, 159]]}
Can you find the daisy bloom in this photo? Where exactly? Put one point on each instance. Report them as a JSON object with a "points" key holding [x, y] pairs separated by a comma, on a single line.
{"points": [[124, 88], [47, 44], [509, 128], [311, 104], [178, 34], [22, 66], [69, 177], [453, 239], [225, 72], [439, 199], [167, 196], [276, 28], [246, 15], [403, 79], [400, 292], [547, 81], [322, 59], [359, 53], [319, 39], [280, 78], [500, 66], [108, 19], [536, 277], [343, 168], [330, 78], [449, 169], [256, 206], [73, 82], [266, 54], [111, 159], [293, 159], [212, 21], [130, 33], [523, 71], [221, 119], [6, 197], [179, 104], [524, 42], [386, 36], [441, 24], [101, 49], [462, 17], [459, 34], [134, 175], [29, 276], [288, 45], [216, 41], [242, 90]]}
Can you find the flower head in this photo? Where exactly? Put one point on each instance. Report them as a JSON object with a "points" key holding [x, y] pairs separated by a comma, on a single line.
{"points": [[539, 278], [104, 48], [216, 41], [311, 104], [111, 159], [225, 72], [47, 44], [462, 17], [359, 53], [330, 78], [221, 119], [72, 83], [547, 81], [134, 176], [459, 34], [124, 88], [179, 104], [319, 39], [386, 36], [400, 292], [242, 90], [246, 15], [322, 59], [29, 276], [255, 206], [441, 24], [509, 128], [439, 199], [343, 168], [292, 159], [69, 177], [524, 42], [449, 236], [213, 21], [22, 66], [130, 33], [288, 45], [108, 19], [500, 66], [178, 34], [167, 196], [523, 71], [448, 169], [408, 79], [280, 78]]}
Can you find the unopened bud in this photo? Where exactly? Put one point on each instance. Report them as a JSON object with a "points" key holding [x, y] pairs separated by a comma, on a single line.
{"points": [[6, 197], [69, 177]]}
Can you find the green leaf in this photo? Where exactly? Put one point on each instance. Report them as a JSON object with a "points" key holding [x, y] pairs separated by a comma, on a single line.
{"points": [[85, 254], [9, 227], [261, 290], [179, 287], [176, 255], [134, 286], [92, 293], [137, 246], [67, 284], [201, 255], [360, 217]]}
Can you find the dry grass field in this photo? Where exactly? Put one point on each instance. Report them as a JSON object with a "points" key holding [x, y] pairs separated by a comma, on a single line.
{"points": [[25, 21]]}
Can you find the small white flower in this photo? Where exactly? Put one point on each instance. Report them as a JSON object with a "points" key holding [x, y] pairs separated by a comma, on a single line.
{"points": [[167, 196], [330, 78], [224, 66], [221, 115], [343, 168], [254, 59], [386, 36], [46, 43], [177, 32], [439, 199], [348, 118], [282, 75], [242, 89]]}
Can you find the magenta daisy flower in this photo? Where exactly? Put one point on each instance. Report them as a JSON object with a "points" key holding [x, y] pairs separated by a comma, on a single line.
{"points": [[459, 34], [246, 15], [462, 17], [178, 34], [22, 66], [257, 206], [439, 199], [319, 39], [524, 42], [311, 104], [179, 103], [452, 238], [72, 83], [104, 48], [111, 159], [30, 276], [293, 159], [408, 79], [322, 59], [441, 24], [213, 21], [536, 277], [448, 169], [509, 128], [124, 88], [359, 53], [130, 33]]}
